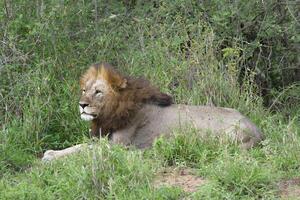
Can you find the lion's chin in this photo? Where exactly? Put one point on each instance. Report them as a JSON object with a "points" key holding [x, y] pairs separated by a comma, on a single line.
{"points": [[87, 117]]}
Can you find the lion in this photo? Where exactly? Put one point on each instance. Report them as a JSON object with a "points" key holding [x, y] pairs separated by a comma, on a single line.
{"points": [[131, 111]]}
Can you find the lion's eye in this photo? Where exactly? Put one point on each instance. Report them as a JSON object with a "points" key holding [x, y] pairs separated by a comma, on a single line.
{"points": [[99, 92], [83, 91]]}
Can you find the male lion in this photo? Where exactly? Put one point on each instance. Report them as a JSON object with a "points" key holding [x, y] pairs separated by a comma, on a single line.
{"points": [[130, 111]]}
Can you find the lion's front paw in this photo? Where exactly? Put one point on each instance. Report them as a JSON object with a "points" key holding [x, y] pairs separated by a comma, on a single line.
{"points": [[48, 156]]}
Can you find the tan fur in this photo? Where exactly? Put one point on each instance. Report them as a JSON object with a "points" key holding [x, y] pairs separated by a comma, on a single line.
{"points": [[133, 112]]}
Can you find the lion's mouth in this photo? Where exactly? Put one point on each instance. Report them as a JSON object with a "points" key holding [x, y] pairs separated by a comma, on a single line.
{"points": [[85, 115]]}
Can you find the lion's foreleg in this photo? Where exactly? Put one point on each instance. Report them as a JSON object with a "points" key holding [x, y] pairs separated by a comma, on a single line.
{"points": [[50, 155]]}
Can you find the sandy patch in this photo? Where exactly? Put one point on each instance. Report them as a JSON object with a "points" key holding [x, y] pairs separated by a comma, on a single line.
{"points": [[184, 178], [289, 189]]}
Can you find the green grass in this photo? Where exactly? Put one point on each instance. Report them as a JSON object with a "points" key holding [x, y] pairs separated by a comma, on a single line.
{"points": [[47, 45]]}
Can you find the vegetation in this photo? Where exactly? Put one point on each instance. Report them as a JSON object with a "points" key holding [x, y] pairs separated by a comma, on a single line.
{"points": [[242, 55]]}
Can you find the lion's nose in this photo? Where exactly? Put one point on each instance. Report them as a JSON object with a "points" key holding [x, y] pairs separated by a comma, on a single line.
{"points": [[83, 105]]}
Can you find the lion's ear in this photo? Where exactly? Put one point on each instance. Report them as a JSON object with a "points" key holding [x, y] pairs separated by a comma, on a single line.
{"points": [[112, 77]]}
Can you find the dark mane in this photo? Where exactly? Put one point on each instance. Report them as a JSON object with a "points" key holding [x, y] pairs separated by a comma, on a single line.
{"points": [[141, 90]]}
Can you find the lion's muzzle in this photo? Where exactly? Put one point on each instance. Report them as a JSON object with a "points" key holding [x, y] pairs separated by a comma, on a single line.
{"points": [[86, 111]]}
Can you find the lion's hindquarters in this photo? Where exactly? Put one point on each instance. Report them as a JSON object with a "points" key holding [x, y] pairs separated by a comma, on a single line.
{"points": [[250, 133], [231, 123]]}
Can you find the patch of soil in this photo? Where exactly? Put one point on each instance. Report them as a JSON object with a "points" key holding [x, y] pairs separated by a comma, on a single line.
{"points": [[289, 189], [184, 178]]}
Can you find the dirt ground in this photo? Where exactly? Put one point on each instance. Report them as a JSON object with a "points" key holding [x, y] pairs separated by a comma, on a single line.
{"points": [[184, 178], [188, 181], [289, 189]]}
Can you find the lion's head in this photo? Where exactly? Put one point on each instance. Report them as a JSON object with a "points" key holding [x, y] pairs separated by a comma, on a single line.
{"points": [[110, 99]]}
